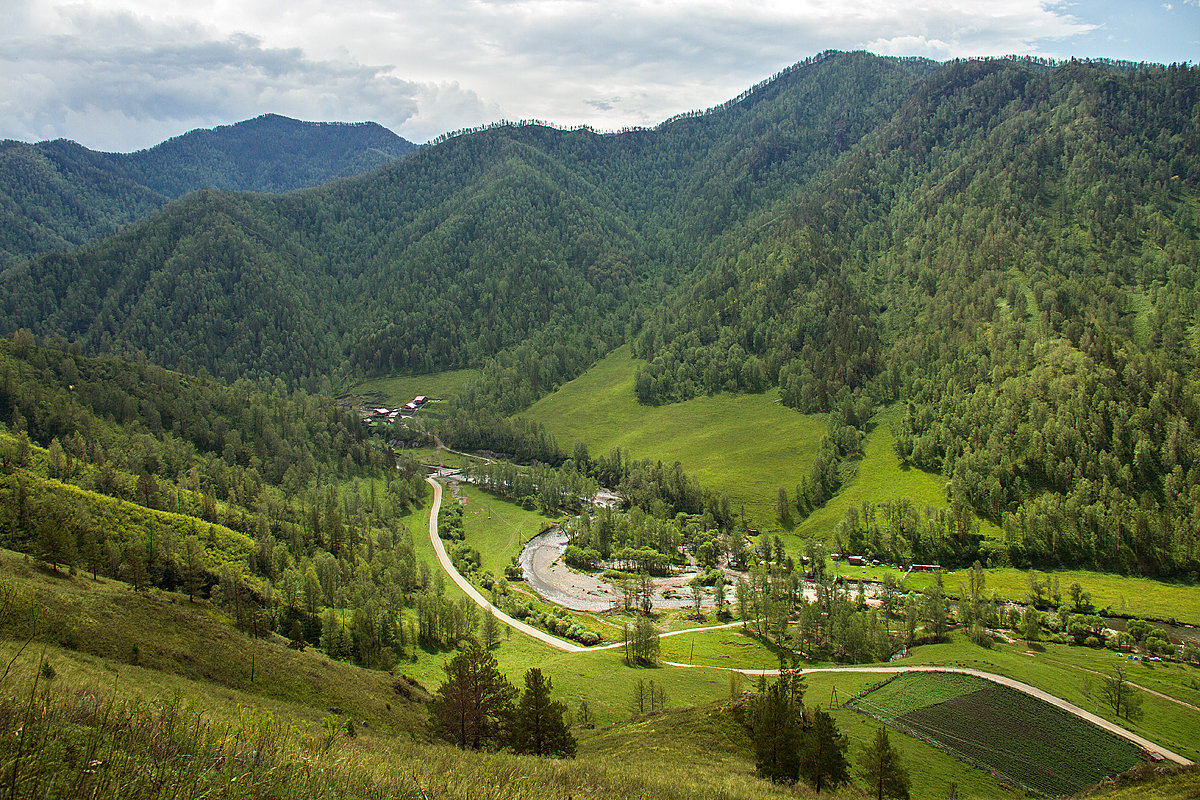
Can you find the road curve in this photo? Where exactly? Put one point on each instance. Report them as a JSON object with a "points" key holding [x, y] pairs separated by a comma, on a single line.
{"points": [[486, 605], [570, 647], [1033, 691], [473, 593]]}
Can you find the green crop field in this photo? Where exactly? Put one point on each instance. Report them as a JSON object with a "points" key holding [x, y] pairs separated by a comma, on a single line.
{"points": [[746, 444], [913, 690], [1031, 743], [1075, 673]]}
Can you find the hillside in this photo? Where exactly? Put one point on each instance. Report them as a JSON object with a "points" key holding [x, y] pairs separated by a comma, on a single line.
{"points": [[1003, 250], [57, 194], [187, 546], [504, 237], [744, 444], [970, 259], [179, 679]]}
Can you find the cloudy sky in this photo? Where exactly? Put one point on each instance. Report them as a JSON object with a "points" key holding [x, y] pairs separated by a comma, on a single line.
{"points": [[126, 74]]}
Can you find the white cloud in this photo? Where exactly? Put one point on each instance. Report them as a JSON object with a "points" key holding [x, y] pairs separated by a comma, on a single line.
{"points": [[122, 73]]}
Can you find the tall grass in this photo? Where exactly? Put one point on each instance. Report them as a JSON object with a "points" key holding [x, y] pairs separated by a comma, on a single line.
{"points": [[63, 743]]}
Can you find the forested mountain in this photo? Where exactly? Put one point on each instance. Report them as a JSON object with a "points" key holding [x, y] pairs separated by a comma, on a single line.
{"points": [[1013, 255], [507, 237], [1008, 247], [58, 193]]}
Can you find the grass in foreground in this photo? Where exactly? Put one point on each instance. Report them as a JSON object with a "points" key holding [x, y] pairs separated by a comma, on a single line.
{"points": [[144, 636], [1153, 782], [67, 743]]}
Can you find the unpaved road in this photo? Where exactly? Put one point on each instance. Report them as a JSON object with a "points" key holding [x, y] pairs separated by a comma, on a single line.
{"points": [[569, 647], [1033, 691], [472, 592]]}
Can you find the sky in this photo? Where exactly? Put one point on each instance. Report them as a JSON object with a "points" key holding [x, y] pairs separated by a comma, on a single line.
{"points": [[121, 75]]}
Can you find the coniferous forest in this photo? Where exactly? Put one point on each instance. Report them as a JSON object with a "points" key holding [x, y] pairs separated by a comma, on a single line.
{"points": [[1006, 247], [995, 258]]}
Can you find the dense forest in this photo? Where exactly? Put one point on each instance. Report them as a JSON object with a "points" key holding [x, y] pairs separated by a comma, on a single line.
{"points": [[58, 193], [522, 247], [1005, 247], [272, 503], [1013, 257]]}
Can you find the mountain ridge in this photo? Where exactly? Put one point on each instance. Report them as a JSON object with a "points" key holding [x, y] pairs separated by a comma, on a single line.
{"points": [[56, 194]]}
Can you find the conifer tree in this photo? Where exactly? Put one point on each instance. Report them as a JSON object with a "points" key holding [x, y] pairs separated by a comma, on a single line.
{"points": [[474, 704], [881, 768], [538, 726], [823, 753], [777, 732]]}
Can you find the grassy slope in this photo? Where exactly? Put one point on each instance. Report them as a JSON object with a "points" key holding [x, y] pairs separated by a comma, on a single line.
{"points": [[601, 677], [400, 389], [496, 528], [746, 444], [1121, 594], [157, 642], [1157, 782], [880, 476]]}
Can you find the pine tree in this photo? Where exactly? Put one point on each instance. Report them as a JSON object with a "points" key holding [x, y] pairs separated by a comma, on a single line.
{"points": [[491, 629], [56, 544], [880, 764], [473, 705], [777, 732], [538, 725], [823, 753]]}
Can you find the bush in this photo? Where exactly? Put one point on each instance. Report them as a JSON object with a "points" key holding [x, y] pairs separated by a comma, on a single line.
{"points": [[513, 571], [580, 558]]}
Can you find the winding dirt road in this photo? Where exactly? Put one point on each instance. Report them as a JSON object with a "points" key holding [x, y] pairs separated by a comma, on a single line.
{"points": [[569, 647], [473, 593]]}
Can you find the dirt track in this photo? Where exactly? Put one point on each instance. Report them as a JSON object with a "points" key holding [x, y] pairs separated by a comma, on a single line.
{"points": [[1033, 691], [562, 644]]}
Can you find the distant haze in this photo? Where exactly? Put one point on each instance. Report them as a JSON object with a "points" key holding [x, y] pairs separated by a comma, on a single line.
{"points": [[121, 75]]}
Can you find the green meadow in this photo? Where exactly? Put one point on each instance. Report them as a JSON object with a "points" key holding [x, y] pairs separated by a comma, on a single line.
{"points": [[878, 477], [1122, 595], [399, 389], [746, 444], [497, 528]]}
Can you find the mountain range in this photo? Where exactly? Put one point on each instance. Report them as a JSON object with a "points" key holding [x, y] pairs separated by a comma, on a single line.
{"points": [[1007, 246], [55, 194]]}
